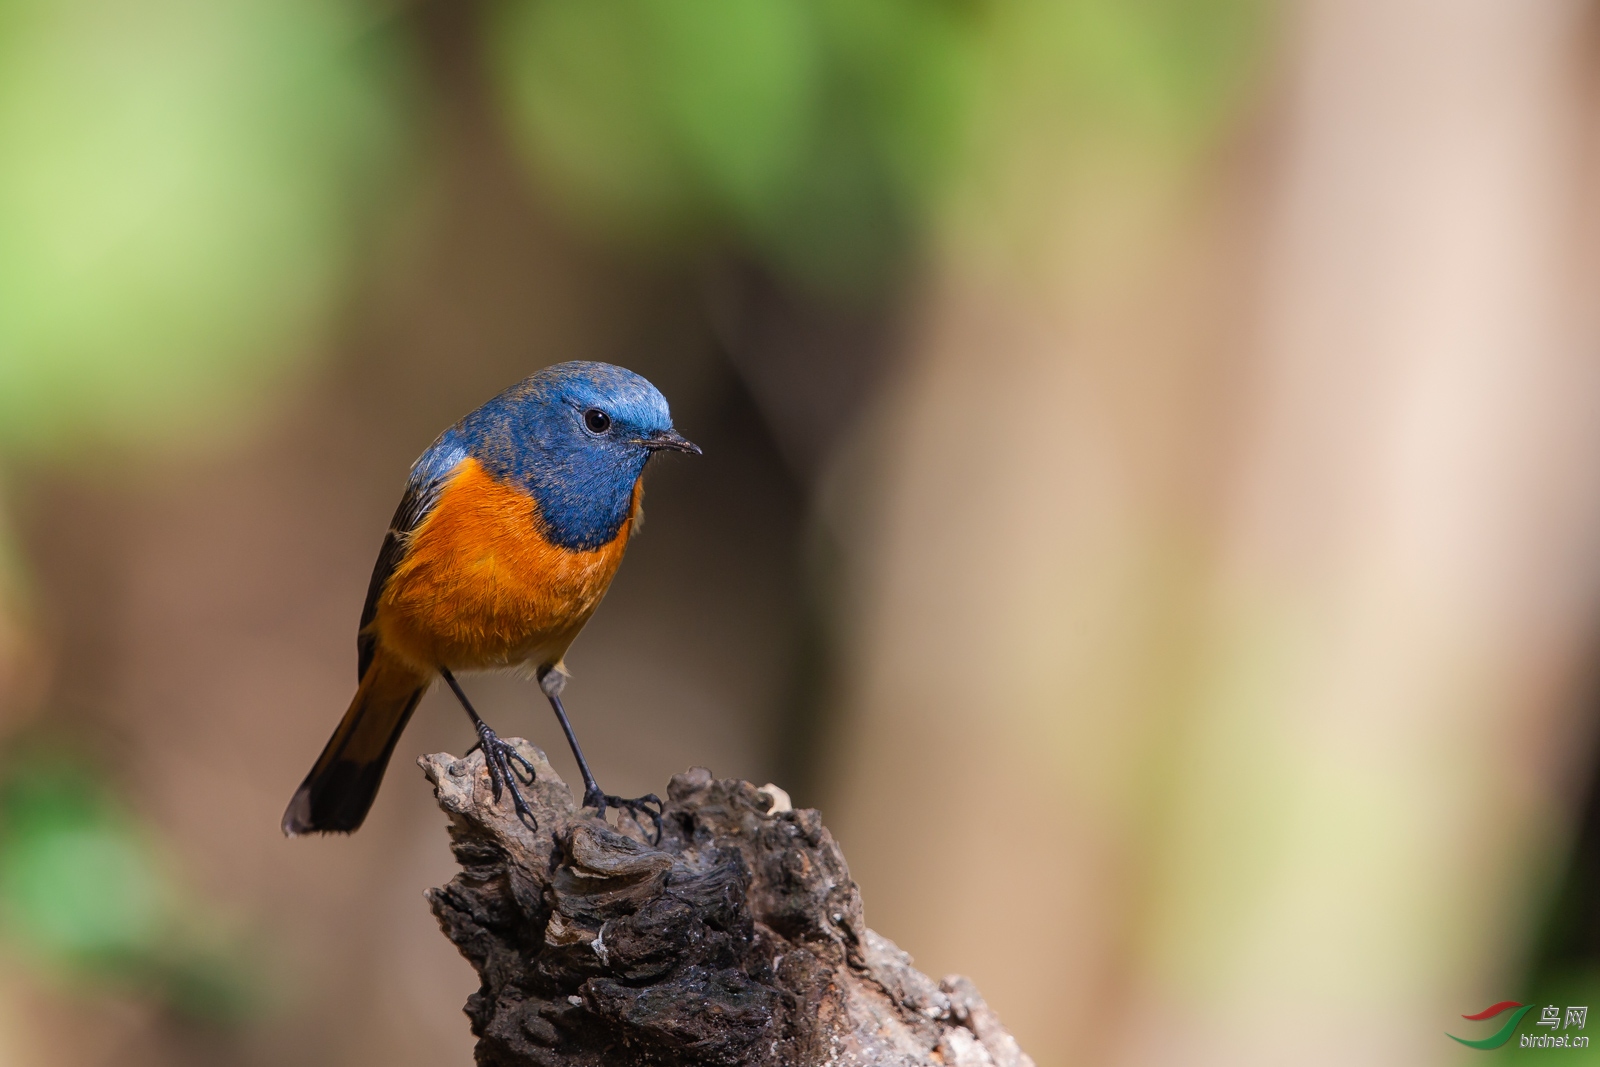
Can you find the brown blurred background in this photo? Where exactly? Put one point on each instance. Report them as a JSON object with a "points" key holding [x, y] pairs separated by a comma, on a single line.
{"points": [[1150, 502]]}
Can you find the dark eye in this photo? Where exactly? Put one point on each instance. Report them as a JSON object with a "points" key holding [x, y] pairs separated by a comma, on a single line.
{"points": [[597, 420]]}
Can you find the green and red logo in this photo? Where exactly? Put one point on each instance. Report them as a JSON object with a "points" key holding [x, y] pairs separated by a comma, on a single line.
{"points": [[1559, 1023], [1502, 1035]]}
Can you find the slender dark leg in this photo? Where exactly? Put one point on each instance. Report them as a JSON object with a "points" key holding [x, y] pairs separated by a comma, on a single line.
{"points": [[591, 790], [552, 682], [500, 758]]}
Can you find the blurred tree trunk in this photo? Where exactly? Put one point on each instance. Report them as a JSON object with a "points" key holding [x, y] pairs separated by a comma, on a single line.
{"points": [[1404, 597], [1258, 621], [1046, 483]]}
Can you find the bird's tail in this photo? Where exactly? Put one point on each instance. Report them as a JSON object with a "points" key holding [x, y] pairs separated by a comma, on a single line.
{"points": [[341, 786]]}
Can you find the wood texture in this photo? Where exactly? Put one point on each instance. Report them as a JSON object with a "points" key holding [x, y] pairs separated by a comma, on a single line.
{"points": [[738, 940]]}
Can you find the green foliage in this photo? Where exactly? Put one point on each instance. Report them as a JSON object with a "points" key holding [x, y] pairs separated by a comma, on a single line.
{"points": [[176, 185], [813, 128], [86, 893], [824, 132], [179, 180], [1165, 70]]}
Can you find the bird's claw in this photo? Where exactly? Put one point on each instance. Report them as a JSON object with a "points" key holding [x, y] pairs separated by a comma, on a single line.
{"points": [[502, 761], [593, 798]]}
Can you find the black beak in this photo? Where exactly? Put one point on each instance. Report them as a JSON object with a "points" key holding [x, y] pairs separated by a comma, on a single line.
{"points": [[670, 441]]}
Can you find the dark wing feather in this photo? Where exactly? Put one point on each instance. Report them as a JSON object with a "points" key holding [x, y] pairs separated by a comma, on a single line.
{"points": [[428, 478]]}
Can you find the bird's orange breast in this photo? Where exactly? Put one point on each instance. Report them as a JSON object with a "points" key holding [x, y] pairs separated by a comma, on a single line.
{"points": [[479, 586]]}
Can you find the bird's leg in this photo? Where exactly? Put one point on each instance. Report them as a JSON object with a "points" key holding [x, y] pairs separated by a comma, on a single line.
{"points": [[551, 681], [500, 758]]}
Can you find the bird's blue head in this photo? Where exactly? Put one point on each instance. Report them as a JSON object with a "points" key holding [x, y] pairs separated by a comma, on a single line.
{"points": [[577, 437]]}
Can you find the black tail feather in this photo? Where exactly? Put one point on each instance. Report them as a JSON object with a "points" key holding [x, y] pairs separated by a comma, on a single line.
{"points": [[336, 796]]}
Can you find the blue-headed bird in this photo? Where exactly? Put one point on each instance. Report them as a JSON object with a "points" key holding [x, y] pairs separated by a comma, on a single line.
{"points": [[512, 525]]}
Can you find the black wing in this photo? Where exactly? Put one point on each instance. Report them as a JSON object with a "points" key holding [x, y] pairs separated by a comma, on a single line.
{"points": [[428, 478]]}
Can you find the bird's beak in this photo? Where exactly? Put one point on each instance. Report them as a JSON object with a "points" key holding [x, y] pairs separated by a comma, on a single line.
{"points": [[670, 440]]}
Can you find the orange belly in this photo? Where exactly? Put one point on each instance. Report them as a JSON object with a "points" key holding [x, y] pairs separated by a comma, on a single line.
{"points": [[480, 587]]}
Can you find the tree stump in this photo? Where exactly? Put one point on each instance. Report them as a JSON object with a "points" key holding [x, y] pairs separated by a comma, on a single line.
{"points": [[736, 940]]}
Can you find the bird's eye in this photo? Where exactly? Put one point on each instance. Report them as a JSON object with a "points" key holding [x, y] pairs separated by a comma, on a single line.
{"points": [[597, 420]]}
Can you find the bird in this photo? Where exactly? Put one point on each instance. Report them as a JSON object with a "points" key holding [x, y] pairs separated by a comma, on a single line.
{"points": [[512, 525]]}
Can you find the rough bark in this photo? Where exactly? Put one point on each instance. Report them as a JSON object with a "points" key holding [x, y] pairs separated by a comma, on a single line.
{"points": [[737, 940]]}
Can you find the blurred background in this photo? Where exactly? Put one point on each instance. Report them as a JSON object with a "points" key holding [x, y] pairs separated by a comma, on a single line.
{"points": [[1150, 503]]}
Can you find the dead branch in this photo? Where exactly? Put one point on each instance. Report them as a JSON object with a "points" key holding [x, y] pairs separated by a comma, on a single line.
{"points": [[738, 940]]}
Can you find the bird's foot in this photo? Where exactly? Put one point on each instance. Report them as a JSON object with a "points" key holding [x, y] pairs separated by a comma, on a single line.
{"points": [[648, 805], [502, 760]]}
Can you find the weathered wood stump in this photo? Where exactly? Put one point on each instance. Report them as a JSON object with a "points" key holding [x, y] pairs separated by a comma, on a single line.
{"points": [[737, 940]]}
